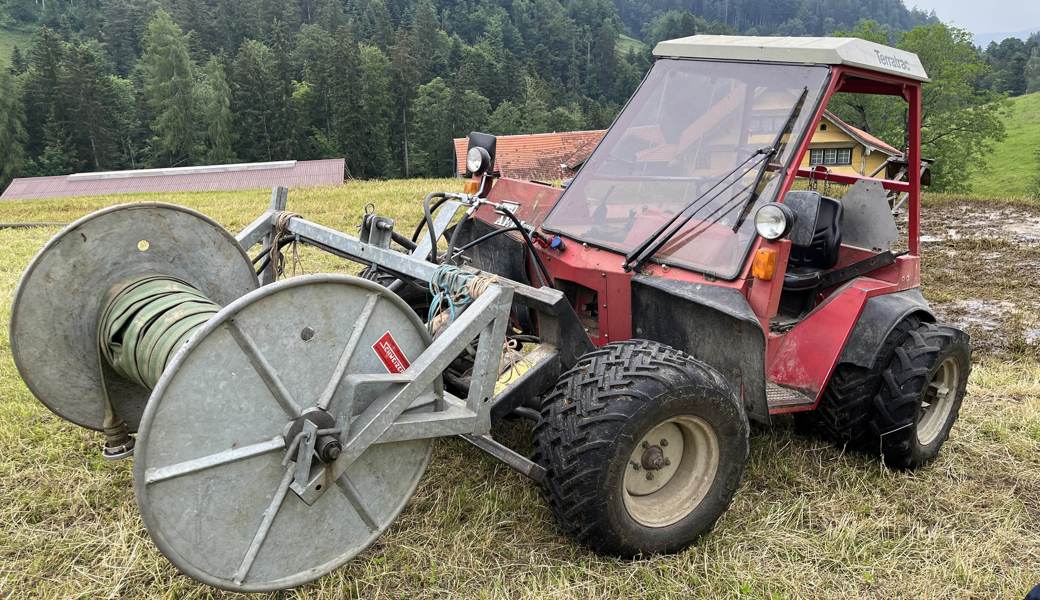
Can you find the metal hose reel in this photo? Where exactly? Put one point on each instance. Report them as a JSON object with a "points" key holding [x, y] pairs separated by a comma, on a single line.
{"points": [[245, 473], [59, 300], [229, 490]]}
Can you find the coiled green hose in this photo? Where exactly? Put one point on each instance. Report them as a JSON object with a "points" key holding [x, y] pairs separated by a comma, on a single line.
{"points": [[145, 323]]}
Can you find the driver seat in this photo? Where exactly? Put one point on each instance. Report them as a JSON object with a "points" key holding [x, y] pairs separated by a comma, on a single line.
{"points": [[808, 262]]}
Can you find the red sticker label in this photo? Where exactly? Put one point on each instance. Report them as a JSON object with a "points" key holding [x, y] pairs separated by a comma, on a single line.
{"points": [[390, 354]]}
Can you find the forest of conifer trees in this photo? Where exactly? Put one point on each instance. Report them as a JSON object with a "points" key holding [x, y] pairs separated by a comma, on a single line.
{"points": [[113, 84]]}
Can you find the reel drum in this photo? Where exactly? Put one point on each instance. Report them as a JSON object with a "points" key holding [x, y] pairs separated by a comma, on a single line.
{"points": [[54, 318], [219, 448]]}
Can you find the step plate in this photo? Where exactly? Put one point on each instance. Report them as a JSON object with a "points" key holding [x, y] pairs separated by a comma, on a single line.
{"points": [[781, 397]]}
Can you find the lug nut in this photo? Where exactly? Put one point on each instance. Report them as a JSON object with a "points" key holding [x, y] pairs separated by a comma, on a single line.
{"points": [[649, 475], [664, 442], [646, 445], [635, 465], [667, 461]]}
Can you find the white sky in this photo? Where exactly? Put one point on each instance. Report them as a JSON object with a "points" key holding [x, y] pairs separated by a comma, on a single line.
{"points": [[990, 16]]}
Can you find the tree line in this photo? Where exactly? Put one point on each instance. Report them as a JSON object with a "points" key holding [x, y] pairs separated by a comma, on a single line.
{"points": [[112, 84], [384, 83], [1014, 65]]}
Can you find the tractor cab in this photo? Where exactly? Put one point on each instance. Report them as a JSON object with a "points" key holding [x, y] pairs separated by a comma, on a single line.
{"points": [[700, 214]]}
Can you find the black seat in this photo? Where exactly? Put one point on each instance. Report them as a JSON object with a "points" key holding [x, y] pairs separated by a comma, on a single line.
{"points": [[807, 263]]}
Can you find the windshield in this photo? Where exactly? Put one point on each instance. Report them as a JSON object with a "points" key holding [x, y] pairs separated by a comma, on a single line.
{"points": [[692, 137]]}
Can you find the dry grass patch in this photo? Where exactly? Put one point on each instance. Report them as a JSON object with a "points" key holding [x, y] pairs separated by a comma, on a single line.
{"points": [[808, 522]]}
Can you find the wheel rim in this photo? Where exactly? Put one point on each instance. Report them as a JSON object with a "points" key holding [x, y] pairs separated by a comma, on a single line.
{"points": [[670, 471], [938, 401]]}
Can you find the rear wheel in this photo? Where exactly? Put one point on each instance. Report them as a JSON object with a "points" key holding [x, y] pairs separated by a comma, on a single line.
{"points": [[903, 408], [644, 448], [920, 396], [847, 402]]}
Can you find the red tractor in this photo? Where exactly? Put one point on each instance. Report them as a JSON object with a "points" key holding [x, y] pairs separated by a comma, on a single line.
{"points": [[716, 290]]}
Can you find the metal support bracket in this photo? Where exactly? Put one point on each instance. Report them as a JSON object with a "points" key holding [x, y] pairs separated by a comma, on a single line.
{"points": [[485, 322]]}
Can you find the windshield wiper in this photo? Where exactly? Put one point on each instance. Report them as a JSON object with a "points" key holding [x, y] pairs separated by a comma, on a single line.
{"points": [[635, 258]]}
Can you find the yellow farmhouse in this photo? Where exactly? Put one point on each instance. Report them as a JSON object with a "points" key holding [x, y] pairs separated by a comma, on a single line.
{"points": [[845, 149]]}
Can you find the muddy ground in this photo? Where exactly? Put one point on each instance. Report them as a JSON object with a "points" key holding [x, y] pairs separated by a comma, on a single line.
{"points": [[981, 272]]}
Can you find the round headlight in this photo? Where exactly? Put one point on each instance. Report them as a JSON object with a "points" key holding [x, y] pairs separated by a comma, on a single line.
{"points": [[773, 221], [477, 160]]}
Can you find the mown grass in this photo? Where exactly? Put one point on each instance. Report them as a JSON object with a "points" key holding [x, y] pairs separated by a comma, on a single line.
{"points": [[1012, 167], [808, 522]]}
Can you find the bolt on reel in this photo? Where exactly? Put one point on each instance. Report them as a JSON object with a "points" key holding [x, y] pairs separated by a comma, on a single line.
{"points": [[281, 428]]}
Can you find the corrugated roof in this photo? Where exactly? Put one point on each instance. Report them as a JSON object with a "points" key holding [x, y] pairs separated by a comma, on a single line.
{"points": [[544, 156], [290, 173]]}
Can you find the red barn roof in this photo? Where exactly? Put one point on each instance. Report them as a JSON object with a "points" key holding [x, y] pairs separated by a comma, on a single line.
{"points": [[544, 156], [289, 173]]}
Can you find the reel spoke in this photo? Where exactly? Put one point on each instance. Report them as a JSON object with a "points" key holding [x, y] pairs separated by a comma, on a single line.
{"points": [[348, 352], [264, 369], [158, 474], [265, 526], [346, 486]]}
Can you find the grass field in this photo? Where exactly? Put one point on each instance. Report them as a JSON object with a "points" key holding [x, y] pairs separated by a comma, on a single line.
{"points": [[9, 38], [1011, 168], [626, 43], [809, 521]]}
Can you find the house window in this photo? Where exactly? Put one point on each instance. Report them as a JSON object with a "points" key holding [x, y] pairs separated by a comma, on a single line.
{"points": [[830, 156], [767, 124]]}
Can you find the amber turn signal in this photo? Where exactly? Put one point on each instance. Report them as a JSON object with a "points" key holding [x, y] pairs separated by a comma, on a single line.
{"points": [[471, 187], [764, 264]]}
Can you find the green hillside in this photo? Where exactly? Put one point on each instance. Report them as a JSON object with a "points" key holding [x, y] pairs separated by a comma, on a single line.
{"points": [[626, 43], [1012, 167], [9, 38]]}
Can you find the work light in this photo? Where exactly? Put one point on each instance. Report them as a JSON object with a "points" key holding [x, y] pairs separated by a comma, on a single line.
{"points": [[773, 221], [477, 160]]}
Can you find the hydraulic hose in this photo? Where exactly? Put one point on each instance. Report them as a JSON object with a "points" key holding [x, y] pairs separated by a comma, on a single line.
{"points": [[146, 322]]}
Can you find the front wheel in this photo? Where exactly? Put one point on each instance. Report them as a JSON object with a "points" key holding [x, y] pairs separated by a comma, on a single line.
{"points": [[644, 448]]}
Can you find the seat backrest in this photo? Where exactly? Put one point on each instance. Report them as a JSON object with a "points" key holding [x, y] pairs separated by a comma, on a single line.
{"points": [[822, 253]]}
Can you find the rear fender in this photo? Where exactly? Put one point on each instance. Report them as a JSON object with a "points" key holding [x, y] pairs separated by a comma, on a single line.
{"points": [[849, 326], [879, 317]]}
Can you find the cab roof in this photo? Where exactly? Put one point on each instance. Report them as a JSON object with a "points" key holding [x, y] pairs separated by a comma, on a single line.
{"points": [[852, 52]]}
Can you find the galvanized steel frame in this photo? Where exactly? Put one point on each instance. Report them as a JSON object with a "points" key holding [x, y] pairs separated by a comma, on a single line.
{"points": [[484, 322]]}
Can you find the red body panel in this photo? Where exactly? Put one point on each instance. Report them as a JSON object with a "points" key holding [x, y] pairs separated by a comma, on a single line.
{"points": [[802, 358]]}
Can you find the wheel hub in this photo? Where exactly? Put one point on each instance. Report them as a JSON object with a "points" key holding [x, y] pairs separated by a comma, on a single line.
{"points": [[327, 446], [938, 401], [654, 459], [671, 470]]}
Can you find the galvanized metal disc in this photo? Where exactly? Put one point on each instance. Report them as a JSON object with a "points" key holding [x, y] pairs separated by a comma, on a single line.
{"points": [[57, 304], [209, 472]]}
